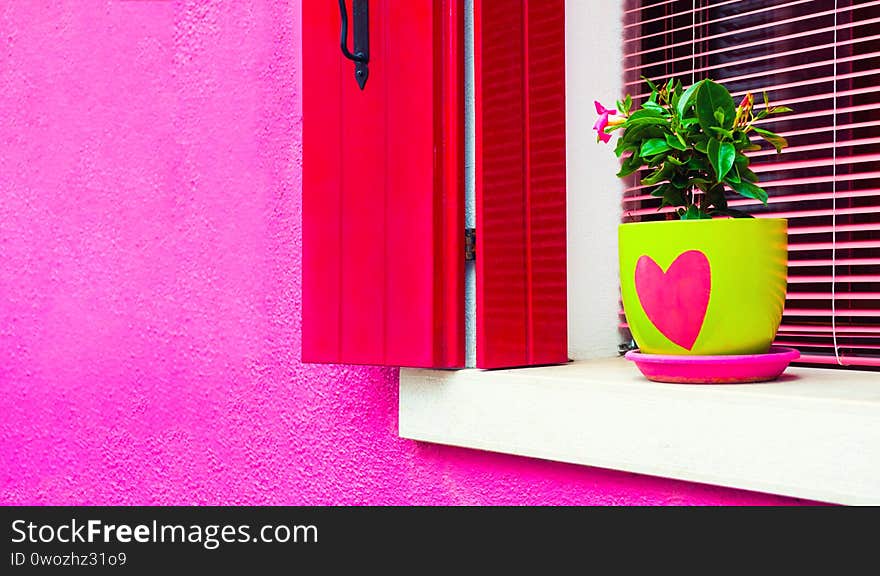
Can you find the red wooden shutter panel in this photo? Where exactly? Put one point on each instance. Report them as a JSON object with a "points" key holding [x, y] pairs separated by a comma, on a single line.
{"points": [[383, 200], [520, 182]]}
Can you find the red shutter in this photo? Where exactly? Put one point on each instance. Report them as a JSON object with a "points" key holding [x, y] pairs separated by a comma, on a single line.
{"points": [[822, 58], [520, 182], [383, 201]]}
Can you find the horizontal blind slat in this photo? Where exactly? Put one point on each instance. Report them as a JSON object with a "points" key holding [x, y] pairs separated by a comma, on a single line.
{"points": [[837, 296], [763, 73], [862, 361], [731, 63], [684, 13], [771, 88], [762, 26], [795, 181], [688, 26]]}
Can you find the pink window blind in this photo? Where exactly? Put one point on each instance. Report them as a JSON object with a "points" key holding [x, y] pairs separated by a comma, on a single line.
{"points": [[822, 58]]}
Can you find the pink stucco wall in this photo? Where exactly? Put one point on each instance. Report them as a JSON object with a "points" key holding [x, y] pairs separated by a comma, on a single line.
{"points": [[150, 283]]}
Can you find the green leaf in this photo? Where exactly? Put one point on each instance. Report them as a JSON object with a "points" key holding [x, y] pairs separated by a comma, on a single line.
{"points": [[697, 164], [654, 107], [672, 197], [653, 146], [620, 151], [659, 191], [749, 190], [642, 122], [733, 175], [685, 100], [634, 135], [780, 109], [630, 165], [674, 161], [700, 183], [702, 145], [675, 142], [721, 156], [649, 110], [676, 95], [658, 175], [650, 84], [679, 180], [721, 132], [623, 146], [710, 97], [694, 213], [715, 197], [719, 116], [776, 140]]}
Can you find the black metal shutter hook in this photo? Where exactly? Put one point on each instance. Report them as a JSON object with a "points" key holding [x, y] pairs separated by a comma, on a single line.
{"points": [[361, 32]]}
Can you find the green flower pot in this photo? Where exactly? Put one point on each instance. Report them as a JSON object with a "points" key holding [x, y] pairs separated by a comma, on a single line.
{"points": [[704, 287]]}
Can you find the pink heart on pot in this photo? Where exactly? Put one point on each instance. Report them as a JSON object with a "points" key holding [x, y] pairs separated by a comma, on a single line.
{"points": [[676, 301]]}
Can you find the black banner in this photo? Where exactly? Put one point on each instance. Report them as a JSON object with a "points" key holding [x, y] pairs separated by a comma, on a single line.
{"points": [[178, 539], [183, 540]]}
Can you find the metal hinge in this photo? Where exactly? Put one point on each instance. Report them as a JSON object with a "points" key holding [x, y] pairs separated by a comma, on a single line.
{"points": [[470, 244]]}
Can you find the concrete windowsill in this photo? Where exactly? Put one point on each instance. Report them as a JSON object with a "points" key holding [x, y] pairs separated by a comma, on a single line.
{"points": [[813, 434]]}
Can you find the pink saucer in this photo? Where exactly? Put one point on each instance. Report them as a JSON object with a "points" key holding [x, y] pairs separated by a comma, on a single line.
{"points": [[714, 369]]}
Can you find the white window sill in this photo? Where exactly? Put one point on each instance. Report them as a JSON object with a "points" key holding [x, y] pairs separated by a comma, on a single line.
{"points": [[813, 434]]}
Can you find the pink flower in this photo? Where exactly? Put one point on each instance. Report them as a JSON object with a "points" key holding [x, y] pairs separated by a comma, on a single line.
{"points": [[602, 122]]}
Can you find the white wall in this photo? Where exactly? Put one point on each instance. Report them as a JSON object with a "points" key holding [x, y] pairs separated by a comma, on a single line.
{"points": [[594, 71]]}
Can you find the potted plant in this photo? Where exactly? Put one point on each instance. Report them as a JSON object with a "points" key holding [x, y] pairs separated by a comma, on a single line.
{"points": [[712, 282]]}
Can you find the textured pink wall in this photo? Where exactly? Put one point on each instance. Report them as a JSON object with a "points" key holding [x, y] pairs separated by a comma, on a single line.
{"points": [[150, 283]]}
